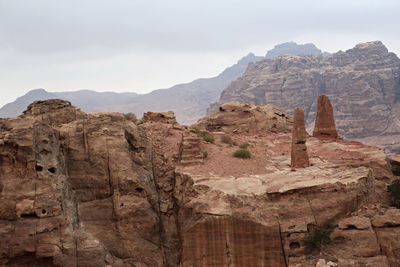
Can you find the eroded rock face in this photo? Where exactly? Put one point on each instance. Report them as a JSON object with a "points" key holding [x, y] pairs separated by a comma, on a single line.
{"points": [[325, 127], [165, 117], [299, 156], [245, 118], [363, 84], [82, 189]]}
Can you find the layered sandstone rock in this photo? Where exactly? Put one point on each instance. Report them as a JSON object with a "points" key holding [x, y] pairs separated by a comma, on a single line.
{"points": [[363, 84], [235, 117], [99, 190], [394, 161], [325, 126], [82, 190], [299, 156], [165, 117]]}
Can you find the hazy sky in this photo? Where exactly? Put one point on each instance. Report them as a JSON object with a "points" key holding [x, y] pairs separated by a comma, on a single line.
{"points": [[141, 45]]}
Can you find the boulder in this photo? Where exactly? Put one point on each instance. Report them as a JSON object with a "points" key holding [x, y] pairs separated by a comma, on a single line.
{"points": [[164, 117]]}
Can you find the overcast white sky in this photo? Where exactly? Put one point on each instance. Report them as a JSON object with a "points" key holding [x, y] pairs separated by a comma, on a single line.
{"points": [[141, 45]]}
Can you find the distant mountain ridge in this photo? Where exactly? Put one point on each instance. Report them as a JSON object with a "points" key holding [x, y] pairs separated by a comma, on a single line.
{"points": [[189, 101], [363, 84]]}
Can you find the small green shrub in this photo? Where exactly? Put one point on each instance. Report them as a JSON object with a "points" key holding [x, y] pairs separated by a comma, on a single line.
{"points": [[205, 154], [394, 190], [244, 146], [209, 138], [195, 130], [130, 117], [203, 133], [318, 238], [242, 153], [227, 140]]}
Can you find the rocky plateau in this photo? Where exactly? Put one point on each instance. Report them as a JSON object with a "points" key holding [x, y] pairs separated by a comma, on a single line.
{"points": [[105, 189]]}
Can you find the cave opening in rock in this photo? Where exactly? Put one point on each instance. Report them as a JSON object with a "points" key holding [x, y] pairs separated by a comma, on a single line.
{"points": [[139, 190], [29, 215], [351, 227], [294, 245], [38, 168]]}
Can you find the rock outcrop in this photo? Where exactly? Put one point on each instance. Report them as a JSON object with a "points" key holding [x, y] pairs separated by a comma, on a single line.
{"points": [[363, 84], [164, 117], [236, 117], [299, 156], [325, 127], [82, 189]]}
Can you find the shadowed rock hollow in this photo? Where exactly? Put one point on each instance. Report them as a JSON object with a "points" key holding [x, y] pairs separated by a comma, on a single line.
{"points": [[101, 189]]}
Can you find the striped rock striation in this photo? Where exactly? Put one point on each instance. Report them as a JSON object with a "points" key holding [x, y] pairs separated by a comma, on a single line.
{"points": [[105, 189]]}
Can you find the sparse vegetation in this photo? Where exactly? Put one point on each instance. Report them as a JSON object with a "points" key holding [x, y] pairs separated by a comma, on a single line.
{"points": [[318, 238], [227, 140], [244, 146], [195, 130], [394, 190], [130, 117], [205, 154], [209, 138], [203, 133], [242, 153]]}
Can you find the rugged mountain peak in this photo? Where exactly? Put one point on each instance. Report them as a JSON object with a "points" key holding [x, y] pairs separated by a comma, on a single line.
{"points": [[250, 57], [375, 47], [37, 92], [325, 127], [292, 48], [299, 156]]}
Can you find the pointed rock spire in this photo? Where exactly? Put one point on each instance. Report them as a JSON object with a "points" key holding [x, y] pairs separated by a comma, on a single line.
{"points": [[299, 137], [325, 127]]}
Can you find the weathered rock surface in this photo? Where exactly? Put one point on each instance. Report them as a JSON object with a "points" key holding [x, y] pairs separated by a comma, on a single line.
{"points": [[164, 117], [363, 84], [325, 127], [81, 190], [235, 117], [100, 190], [394, 161], [299, 156]]}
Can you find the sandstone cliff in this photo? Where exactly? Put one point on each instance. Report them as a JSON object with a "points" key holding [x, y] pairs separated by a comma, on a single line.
{"points": [[363, 84], [104, 190]]}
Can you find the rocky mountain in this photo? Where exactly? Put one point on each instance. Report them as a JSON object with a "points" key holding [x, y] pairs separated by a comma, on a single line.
{"points": [[292, 48], [363, 84], [189, 101], [103, 189]]}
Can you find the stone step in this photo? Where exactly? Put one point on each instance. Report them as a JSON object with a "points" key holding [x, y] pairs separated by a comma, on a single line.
{"points": [[192, 139], [191, 150], [197, 156], [186, 143], [191, 162]]}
